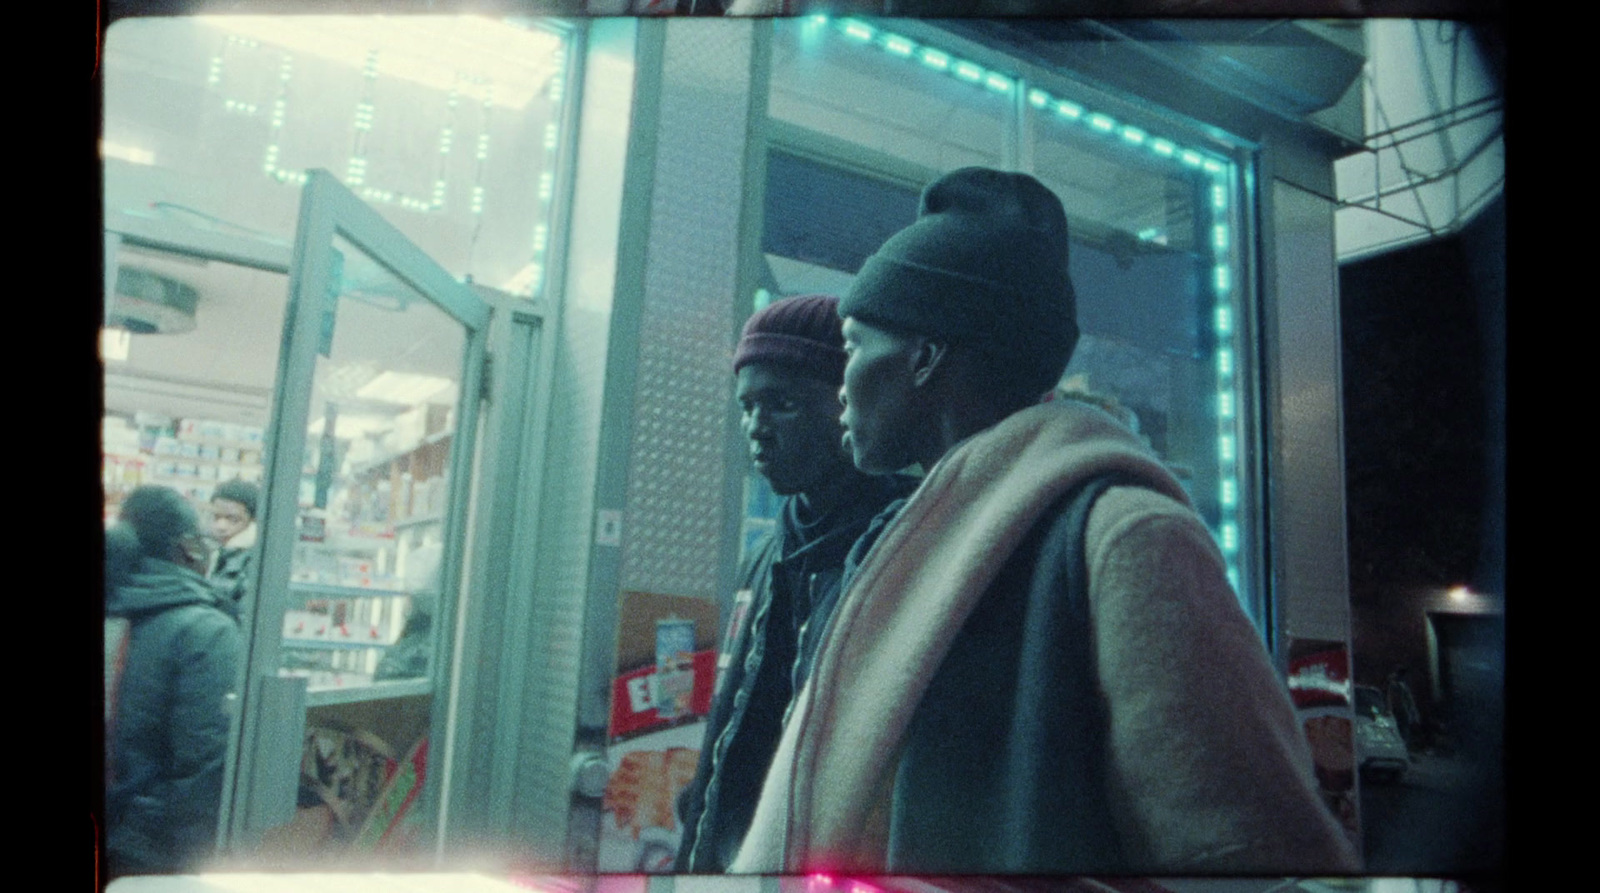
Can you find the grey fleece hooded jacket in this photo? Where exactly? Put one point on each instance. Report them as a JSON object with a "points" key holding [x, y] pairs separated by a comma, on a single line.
{"points": [[1205, 770]]}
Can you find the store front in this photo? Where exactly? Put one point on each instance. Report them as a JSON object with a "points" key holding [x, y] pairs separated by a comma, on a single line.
{"points": [[461, 294]]}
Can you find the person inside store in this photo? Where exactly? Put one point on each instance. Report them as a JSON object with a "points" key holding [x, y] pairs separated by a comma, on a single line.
{"points": [[169, 737], [1038, 665], [787, 370], [233, 526]]}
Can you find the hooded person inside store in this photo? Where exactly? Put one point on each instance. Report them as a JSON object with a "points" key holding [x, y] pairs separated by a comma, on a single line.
{"points": [[787, 370], [1038, 664], [168, 736]]}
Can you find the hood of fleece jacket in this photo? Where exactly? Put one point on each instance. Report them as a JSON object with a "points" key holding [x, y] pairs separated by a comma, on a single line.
{"points": [[157, 586]]}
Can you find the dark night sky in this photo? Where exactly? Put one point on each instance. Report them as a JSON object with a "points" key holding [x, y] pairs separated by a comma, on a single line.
{"points": [[1424, 402]]}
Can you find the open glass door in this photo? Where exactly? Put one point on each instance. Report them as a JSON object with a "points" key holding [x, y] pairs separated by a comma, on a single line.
{"points": [[368, 458]]}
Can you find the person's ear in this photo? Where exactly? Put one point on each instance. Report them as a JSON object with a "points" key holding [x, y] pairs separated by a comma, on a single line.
{"points": [[930, 356]]}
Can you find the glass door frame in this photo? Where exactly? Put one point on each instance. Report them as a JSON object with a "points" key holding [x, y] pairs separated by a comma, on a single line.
{"points": [[264, 765]]}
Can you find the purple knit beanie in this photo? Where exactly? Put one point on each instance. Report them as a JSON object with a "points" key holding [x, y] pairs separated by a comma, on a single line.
{"points": [[803, 333]]}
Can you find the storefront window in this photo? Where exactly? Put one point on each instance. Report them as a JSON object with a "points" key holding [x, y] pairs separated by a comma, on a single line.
{"points": [[862, 116], [451, 127]]}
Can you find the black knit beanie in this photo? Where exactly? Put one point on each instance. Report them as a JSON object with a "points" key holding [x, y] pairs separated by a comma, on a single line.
{"points": [[803, 333], [985, 265]]}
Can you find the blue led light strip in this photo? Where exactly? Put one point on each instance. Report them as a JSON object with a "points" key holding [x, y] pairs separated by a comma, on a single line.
{"points": [[1223, 315], [901, 47]]}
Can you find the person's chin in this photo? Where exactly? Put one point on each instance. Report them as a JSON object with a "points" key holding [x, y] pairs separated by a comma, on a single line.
{"points": [[860, 456], [778, 484]]}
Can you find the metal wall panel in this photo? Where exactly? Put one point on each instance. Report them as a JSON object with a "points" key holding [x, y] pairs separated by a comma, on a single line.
{"points": [[1306, 443], [676, 482]]}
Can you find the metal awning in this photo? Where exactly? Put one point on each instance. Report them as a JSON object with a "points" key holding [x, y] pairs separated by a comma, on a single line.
{"points": [[1434, 149]]}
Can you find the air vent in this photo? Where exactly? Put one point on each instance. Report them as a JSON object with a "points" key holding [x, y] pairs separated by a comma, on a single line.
{"points": [[149, 304]]}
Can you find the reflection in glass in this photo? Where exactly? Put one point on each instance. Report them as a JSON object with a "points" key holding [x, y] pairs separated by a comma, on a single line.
{"points": [[366, 579], [841, 80]]}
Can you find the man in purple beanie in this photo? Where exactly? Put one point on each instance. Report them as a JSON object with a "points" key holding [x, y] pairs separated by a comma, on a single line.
{"points": [[788, 367]]}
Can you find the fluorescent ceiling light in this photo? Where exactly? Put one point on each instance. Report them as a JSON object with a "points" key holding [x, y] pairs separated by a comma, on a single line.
{"points": [[132, 154], [114, 344], [352, 425], [481, 58], [405, 388]]}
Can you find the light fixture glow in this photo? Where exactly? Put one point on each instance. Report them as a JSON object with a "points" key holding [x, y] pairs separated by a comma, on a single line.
{"points": [[1163, 147], [1225, 448], [1224, 319], [1191, 157], [1038, 98], [1224, 362], [899, 46], [131, 154], [1219, 236], [1222, 278], [1102, 122], [999, 83], [1069, 110], [404, 388], [1219, 197], [858, 30], [349, 425], [1224, 404], [1230, 537], [1133, 135], [114, 344], [935, 59], [518, 60], [968, 71]]}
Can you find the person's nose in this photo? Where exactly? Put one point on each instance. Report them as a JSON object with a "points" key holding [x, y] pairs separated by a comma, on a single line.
{"points": [[756, 424], [843, 400]]}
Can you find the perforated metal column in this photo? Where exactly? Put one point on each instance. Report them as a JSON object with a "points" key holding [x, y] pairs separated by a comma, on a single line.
{"points": [[1307, 441], [676, 489]]}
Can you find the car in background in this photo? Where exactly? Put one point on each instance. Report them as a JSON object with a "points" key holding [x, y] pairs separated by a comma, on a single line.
{"points": [[1380, 750]]}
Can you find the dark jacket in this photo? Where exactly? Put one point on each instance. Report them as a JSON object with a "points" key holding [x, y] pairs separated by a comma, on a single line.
{"points": [[793, 578], [171, 729], [230, 574]]}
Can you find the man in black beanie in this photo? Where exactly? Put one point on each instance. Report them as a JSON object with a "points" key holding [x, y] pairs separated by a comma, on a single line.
{"points": [[1038, 664], [787, 371]]}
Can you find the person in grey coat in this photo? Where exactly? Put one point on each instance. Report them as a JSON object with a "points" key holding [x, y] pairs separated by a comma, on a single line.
{"points": [[168, 736]]}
